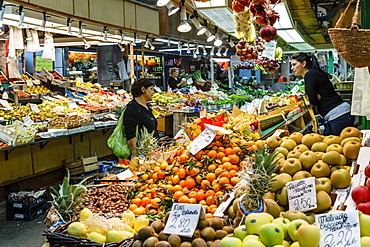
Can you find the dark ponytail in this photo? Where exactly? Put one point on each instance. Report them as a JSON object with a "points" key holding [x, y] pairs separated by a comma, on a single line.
{"points": [[311, 61]]}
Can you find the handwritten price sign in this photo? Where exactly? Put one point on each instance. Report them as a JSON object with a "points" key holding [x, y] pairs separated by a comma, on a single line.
{"points": [[339, 229], [202, 140], [183, 219], [302, 194]]}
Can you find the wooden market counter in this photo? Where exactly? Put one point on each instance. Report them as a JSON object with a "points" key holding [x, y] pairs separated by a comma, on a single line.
{"points": [[40, 163]]}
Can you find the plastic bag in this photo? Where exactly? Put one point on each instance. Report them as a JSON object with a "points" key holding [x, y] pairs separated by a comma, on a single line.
{"points": [[361, 90], [118, 141]]}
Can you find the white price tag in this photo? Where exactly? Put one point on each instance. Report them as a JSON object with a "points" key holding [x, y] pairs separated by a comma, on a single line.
{"points": [[183, 219], [37, 82], [339, 229], [302, 194], [79, 80], [29, 83], [27, 121], [202, 140], [181, 136], [157, 89], [222, 130], [34, 107], [269, 50], [210, 100], [120, 91], [295, 89], [189, 81], [5, 104], [72, 105]]}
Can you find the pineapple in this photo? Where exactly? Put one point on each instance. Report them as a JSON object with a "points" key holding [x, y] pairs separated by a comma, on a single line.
{"points": [[257, 174]]}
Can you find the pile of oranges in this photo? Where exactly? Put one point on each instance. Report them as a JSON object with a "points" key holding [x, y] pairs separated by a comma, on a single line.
{"points": [[202, 178]]}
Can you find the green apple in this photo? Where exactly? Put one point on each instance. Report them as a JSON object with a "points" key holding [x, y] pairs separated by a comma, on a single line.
{"points": [[311, 217], [289, 144], [271, 234], [319, 147], [295, 244], [365, 225], [251, 236], [253, 243], [308, 159], [293, 154], [365, 241], [308, 236], [281, 197], [286, 243], [325, 185], [284, 224], [254, 221], [293, 228], [279, 181], [320, 169], [240, 232], [301, 148], [231, 242], [292, 165], [343, 160], [301, 175], [323, 202], [282, 150], [331, 157], [340, 179]]}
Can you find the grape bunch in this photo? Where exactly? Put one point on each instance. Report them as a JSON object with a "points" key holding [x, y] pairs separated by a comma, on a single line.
{"points": [[249, 50], [267, 64]]}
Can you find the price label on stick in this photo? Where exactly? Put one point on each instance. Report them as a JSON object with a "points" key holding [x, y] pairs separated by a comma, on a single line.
{"points": [[339, 229], [202, 140], [183, 219], [29, 83], [72, 105], [34, 107], [27, 121], [302, 194]]}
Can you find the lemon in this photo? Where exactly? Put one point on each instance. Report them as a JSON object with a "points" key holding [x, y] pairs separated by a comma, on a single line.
{"points": [[85, 213], [141, 221], [96, 237], [128, 217], [114, 236], [77, 229]]}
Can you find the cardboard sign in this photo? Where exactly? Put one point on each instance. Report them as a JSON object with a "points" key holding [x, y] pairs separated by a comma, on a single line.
{"points": [[80, 80], [189, 81], [72, 105], [183, 219], [269, 50], [302, 194], [34, 107], [339, 229], [5, 104], [27, 121], [29, 83], [202, 140]]}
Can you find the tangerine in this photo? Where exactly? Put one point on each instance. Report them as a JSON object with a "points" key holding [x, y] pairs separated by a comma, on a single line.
{"points": [[177, 195], [212, 154], [184, 199]]}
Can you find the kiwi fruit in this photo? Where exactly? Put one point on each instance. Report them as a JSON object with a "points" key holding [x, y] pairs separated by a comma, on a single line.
{"points": [[186, 244], [228, 229], [163, 236], [216, 243], [198, 242], [146, 232], [174, 240], [208, 234], [203, 223], [220, 234], [162, 244], [150, 242], [137, 243], [157, 225], [197, 234], [216, 223], [209, 243]]}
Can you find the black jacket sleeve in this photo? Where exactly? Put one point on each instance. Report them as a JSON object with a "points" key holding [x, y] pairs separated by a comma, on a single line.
{"points": [[172, 82]]}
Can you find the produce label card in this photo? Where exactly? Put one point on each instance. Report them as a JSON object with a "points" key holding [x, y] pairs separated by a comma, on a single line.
{"points": [[5, 104], [339, 229], [29, 83], [27, 121], [202, 140], [269, 50], [183, 219], [222, 130], [302, 194], [72, 105], [34, 107]]}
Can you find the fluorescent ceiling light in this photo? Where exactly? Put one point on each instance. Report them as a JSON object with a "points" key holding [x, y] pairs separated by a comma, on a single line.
{"points": [[166, 41], [285, 21], [302, 46], [221, 60], [182, 49], [290, 36], [222, 17]]}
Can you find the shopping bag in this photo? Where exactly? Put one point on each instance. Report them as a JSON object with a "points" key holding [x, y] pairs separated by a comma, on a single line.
{"points": [[361, 90], [118, 141]]}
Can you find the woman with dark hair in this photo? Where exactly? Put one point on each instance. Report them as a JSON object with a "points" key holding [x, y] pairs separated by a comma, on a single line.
{"points": [[321, 93], [174, 82], [138, 114]]}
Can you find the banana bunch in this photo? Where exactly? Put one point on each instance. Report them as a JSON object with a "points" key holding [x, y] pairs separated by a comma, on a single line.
{"points": [[278, 53], [26, 77]]}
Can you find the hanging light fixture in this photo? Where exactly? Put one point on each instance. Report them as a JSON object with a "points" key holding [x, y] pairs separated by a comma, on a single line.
{"points": [[184, 26], [195, 54], [152, 47], [197, 49], [122, 37], [161, 3], [105, 33], [204, 50], [179, 46], [69, 25], [121, 47], [146, 45], [134, 41], [21, 16], [218, 40], [212, 51], [169, 42], [188, 49], [231, 43], [172, 9], [44, 19], [219, 51], [80, 35], [200, 28], [87, 45], [225, 52]]}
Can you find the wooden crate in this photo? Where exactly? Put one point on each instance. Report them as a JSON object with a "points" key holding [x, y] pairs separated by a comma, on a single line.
{"points": [[90, 163]]}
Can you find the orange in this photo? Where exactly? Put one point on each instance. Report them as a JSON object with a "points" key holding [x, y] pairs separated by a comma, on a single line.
{"points": [[184, 199], [218, 170], [234, 181], [220, 155], [139, 211], [228, 166], [225, 174], [210, 200], [209, 215], [184, 158], [211, 167], [199, 196], [221, 149], [155, 202], [175, 179], [205, 184], [211, 177], [192, 200], [177, 195], [145, 201], [192, 194], [236, 150], [177, 187], [228, 151], [198, 155], [198, 179], [133, 207], [182, 183], [209, 193], [212, 154], [234, 159], [224, 181], [145, 176], [181, 173], [190, 183], [161, 174], [194, 171], [136, 201], [225, 159], [203, 202]]}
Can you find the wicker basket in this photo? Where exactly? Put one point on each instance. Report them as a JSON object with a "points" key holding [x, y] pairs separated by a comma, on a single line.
{"points": [[59, 238], [351, 43], [270, 121]]}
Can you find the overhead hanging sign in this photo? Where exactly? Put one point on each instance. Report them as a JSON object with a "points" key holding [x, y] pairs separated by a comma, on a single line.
{"points": [[183, 219], [269, 50], [339, 229], [302, 194]]}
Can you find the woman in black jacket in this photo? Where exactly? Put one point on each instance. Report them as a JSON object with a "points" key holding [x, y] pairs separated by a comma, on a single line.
{"points": [[174, 82], [321, 93], [138, 114]]}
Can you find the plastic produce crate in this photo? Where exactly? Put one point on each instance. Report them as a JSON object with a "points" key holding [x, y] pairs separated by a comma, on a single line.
{"points": [[26, 205]]}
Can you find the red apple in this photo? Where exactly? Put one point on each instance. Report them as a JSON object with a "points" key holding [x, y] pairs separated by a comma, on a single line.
{"points": [[367, 171], [364, 207], [360, 194], [368, 183]]}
